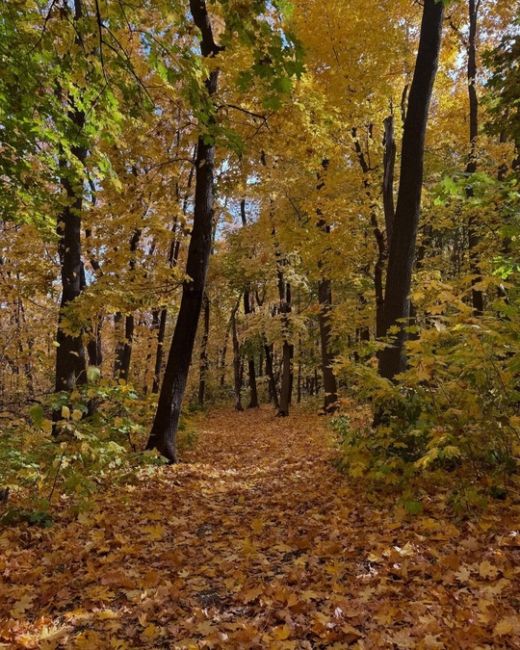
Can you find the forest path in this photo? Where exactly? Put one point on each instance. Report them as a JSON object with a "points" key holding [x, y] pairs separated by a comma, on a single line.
{"points": [[256, 541]]}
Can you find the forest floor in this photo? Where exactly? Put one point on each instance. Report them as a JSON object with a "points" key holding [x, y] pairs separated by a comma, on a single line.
{"points": [[256, 540]]}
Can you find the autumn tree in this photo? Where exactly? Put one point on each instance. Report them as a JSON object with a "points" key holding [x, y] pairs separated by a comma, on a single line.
{"points": [[402, 246]]}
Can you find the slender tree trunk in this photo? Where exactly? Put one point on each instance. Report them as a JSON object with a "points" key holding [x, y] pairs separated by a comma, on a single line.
{"points": [[327, 358], [388, 176], [203, 363], [94, 345], [159, 352], [379, 236], [237, 370], [471, 167], [124, 348], [224, 353], [269, 371], [287, 348], [253, 393], [325, 301], [70, 354], [248, 309], [392, 359], [166, 421]]}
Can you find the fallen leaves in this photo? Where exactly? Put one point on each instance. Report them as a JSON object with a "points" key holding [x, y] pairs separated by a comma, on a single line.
{"points": [[257, 542]]}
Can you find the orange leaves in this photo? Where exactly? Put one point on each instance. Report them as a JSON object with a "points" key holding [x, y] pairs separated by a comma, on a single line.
{"points": [[257, 542]]}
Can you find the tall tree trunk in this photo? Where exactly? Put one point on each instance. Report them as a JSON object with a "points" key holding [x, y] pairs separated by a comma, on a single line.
{"points": [[159, 353], [70, 354], [286, 382], [166, 421], [203, 362], [248, 309], [173, 258], [94, 347], [237, 370], [471, 167], [392, 359], [253, 392], [327, 358], [388, 176], [269, 371], [381, 242], [330, 400], [124, 348], [223, 353]]}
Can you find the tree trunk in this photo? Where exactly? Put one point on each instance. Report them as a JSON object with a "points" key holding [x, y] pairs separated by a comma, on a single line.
{"points": [[287, 348], [203, 363], [94, 348], [379, 267], [124, 348], [388, 176], [237, 371], [166, 421], [327, 358], [70, 354], [248, 309], [269, 371], [392, 359], [325, 301], [159, 353], [471, 167]]}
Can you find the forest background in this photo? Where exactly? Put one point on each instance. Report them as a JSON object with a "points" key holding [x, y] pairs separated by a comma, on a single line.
{"points": [[284, 142]]}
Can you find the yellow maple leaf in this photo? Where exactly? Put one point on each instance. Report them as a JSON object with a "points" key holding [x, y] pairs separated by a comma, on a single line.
{"points": [[21, 606], [506, 626]]}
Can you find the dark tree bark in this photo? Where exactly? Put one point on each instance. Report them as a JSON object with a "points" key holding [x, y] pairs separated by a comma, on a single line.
{"points": [[94, 344], [173, 258], [223, 353], [381, 241], [70, 354], [388, 176], [166, 421], [159, 352], [123, 355], [392, 359], [269, 371], [286, 382], [471, 167], [330, 400], [237, 370], [203, 361], [248, 309]]}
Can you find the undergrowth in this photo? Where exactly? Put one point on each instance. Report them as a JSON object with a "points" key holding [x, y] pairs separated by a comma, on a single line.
{"points": [[101, 439]]}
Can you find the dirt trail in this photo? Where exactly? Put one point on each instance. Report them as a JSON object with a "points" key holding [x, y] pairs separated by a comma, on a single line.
{"points": [[256, 541]]}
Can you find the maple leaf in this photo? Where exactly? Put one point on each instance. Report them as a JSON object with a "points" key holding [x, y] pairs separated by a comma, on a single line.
{"points": [[507, 626], [21, 606]]}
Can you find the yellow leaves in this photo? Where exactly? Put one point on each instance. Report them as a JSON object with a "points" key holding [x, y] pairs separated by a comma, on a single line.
{"points": [[249, 548], [88, 640], [487, 570], [153, 533], [507, 626], [99, 593], [281, 633], [251, 594], [257, 525], [21, 606], [150, 633], [277, 553]]}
